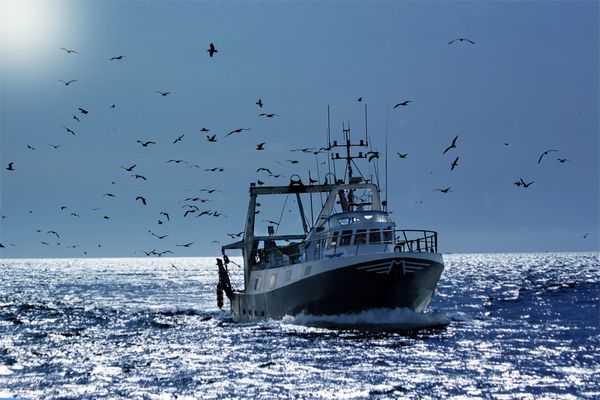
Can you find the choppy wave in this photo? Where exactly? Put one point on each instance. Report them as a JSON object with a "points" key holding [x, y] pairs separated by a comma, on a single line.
{"points": [[512, 325]]}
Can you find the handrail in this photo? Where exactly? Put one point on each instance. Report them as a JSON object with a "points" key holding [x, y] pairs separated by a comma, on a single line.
{"points": [[403, 240]]}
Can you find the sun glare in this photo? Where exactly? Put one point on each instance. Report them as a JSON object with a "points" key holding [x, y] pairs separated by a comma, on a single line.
{"points": [[26, 26]]}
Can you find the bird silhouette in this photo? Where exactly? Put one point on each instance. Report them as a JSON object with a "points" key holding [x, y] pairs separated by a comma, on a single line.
{"points": [[454, 164], [237, 131], [31, 147], [69, 130], [67, 83], [211, 50], [452, 146], [163, 93], [55, 146], [158, 236], [359, 99], [165, 214], [444, 190], [10, 166], [75, 118], [136, 176], [562, 160], [270, 222], [117, 58], [109, 195], [53, 233], [402, 155], [372, 155], [526, 185], [69, 51], [83, 110], [185, 245], [129, 169], [177, 161], [404, 103], [142, 199], [585, 236], [264, 169], [259, 103], [293, 161], [215, 169], [212, 138], [209, 190], [268, 115], [260, 146], [145, 144], [544, 153], [461, 40], [178, 139]]}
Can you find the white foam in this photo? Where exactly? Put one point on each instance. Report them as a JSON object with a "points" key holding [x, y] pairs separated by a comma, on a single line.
{"points": [[399, 319]]}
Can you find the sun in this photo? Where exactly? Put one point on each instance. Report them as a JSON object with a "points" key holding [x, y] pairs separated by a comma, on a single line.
{"points": [[26, 25]]}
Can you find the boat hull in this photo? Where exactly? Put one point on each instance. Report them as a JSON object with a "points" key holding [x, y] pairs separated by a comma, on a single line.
{"points": [[391, 281]]}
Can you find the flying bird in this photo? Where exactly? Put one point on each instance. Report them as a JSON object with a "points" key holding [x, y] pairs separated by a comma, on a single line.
{"points": [[211, 50], [129, 169], [404, 103], [109, 195], [158, 236], [178, 139], [185, 245], [461, 40], [259, 103], [372, 154], [402, 155], [237, 131], [444, 190], [54, 233], [268, 115], [69, 51], [165, 214], [10, 166], [30, 147], [452, 146], [56, 146], [142, 199], [69, 130], [82, 110], [260, 146], [585, 236], [544, 153], [525, 185], [359, 99], [136, 176], [212, 138], [454, 164], [67, 83], [75, 118], [264, 169], [209, 190], [117, 58], [145, 144], [562, 160], [162, 93]]}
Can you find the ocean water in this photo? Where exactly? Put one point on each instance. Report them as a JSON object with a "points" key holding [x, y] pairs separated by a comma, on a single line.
{"points": [[503, 326]]}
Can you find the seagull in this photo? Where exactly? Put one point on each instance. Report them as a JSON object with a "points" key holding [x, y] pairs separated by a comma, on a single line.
{"points": [[454, 164], [260, 146], [185, 245], [372, 154], [402, 155], [445, 190], [165, 214], [270, 222], [461, 40], [69, 51], [145, 144], [136, 176], [562, 160], [67, 83], [54, 233], [237, 131], [158, 236], [56, 146], [543, 154], [404, 103], [525, 185], [211, 50], [212, 138], [83, 111], [265, 169], [215, 169], [109, 195], [162, 93], [142, 199], [453, 145], [69, 130], [30, 147], [178, 161], [359, 99], [209, 190], [293, 161], [518, 183], [178, 139], [117, 58], [585, 236], [10, 166], [259, 103], [75, 118], [268, 115], [204, 130], [129, 169]]}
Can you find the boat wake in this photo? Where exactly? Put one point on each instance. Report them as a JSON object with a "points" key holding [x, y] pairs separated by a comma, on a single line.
{"points": [[381, 320]]}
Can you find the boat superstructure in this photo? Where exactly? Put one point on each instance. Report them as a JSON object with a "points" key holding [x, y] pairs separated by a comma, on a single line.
{"points": [[350, 258]]}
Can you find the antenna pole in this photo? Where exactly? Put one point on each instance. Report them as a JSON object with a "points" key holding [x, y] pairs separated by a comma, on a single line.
{"points": [[387, 116], [328, 141]]}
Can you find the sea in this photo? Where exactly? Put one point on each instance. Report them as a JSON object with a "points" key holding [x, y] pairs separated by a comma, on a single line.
{"points": [[500, 326]]}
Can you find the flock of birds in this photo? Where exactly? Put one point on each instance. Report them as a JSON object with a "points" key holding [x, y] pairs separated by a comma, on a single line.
{"points": [[189, 205]]}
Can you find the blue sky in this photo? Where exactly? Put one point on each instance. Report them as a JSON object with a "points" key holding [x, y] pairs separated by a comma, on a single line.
{"points": [[531, 80]]}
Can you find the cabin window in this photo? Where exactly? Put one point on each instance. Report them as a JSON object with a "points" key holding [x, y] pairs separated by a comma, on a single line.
{"points": [[288, 275], [344, 220], [388, 235], [257, 283], [374, 236], [360, 237], [346, 238], [334, 239], [307, 270], [273, 280]]}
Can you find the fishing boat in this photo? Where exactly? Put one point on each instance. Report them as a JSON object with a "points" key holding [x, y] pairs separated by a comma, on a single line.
{"points": [[350, 258]]}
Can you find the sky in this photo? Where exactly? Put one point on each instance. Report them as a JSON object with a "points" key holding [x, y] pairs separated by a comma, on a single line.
{"points": [[529, 83]]}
